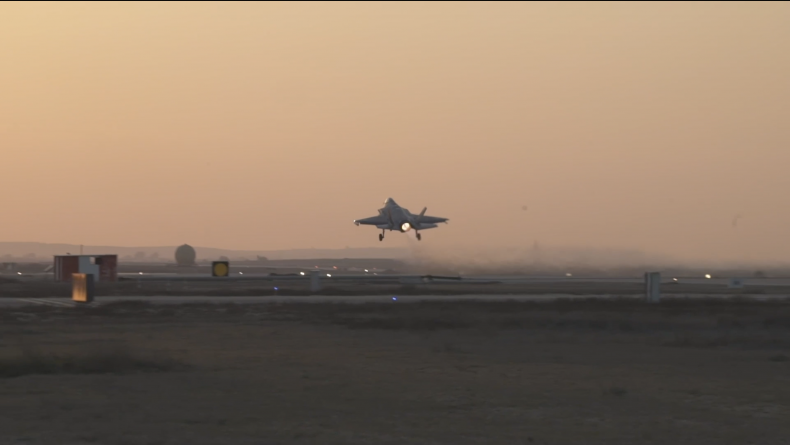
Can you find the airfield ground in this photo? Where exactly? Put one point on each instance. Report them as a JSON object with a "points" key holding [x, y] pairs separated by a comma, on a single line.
{"points": [[230, 288], [687, 371]]}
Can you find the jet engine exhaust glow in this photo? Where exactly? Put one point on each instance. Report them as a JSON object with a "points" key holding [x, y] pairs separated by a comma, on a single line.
{"points": [[405, 227]]}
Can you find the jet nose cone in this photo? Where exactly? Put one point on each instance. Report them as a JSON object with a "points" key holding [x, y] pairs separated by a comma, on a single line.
{"points": [[389, 201]]}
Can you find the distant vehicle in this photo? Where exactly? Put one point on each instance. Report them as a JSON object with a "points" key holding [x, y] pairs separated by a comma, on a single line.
{"points": [[394, 217]]}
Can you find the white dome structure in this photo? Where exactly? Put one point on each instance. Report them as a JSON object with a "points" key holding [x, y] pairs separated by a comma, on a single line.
{"points": [[185, 255]]}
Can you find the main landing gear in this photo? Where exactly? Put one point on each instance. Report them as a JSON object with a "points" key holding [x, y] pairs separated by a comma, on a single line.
{"points": [[381, 236]]}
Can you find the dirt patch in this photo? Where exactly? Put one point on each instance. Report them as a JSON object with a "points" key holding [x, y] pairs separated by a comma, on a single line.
{"points": [[595, 372]]}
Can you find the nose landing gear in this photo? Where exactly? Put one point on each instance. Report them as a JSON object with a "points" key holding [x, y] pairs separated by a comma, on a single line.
{"points": [[419, 237]]}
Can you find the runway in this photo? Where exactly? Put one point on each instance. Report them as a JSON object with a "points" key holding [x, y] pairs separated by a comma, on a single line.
{"points": [[329, 276], [390, 299], [435, 279]]}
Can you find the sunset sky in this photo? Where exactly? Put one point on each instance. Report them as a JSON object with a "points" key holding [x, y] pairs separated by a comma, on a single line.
{"points": [[274, 125]]}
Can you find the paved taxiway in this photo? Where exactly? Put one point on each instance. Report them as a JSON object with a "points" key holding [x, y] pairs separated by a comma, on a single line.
{"points": [[62, 301], [394, 299]]}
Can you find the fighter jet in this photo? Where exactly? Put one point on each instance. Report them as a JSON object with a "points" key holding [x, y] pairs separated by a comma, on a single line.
{"points": [[394, 217]]}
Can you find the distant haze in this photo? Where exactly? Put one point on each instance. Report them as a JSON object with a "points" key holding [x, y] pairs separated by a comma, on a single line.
{"points": [[41, 252], [654, 127]]}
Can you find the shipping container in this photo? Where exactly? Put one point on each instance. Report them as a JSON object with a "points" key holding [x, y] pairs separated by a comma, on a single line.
{"points": [[103, 267]]}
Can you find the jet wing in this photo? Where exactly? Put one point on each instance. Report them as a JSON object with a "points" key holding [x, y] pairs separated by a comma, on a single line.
{"points": [[432, 220], [372, 221], [424, 226]]}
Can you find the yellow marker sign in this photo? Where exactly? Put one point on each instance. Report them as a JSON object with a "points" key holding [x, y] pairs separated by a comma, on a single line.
{"points": [[82, 287], [220, 269]]}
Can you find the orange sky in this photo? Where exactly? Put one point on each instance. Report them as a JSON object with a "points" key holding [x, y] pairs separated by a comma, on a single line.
{"points": [[274, 125]]}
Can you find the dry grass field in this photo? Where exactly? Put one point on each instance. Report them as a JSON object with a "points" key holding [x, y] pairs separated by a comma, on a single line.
{"points": [[568, 372]]}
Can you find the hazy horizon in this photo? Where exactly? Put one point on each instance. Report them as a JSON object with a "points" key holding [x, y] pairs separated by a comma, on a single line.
{"points": [[422, 256], [655, 127]]}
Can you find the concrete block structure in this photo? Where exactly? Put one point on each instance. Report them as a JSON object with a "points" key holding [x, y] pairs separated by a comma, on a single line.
{"points": [[653, 287]]}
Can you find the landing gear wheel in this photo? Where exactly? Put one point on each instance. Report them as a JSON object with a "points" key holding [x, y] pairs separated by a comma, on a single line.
{"points": [[381, 237], [419, 237]]}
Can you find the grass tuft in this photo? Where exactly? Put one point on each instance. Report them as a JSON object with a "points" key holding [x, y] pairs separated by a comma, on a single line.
{"points": [[117, 361], [616, 391]]}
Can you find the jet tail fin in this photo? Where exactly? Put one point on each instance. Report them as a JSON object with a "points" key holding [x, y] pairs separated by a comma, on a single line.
{"points": [[419, 217]]}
